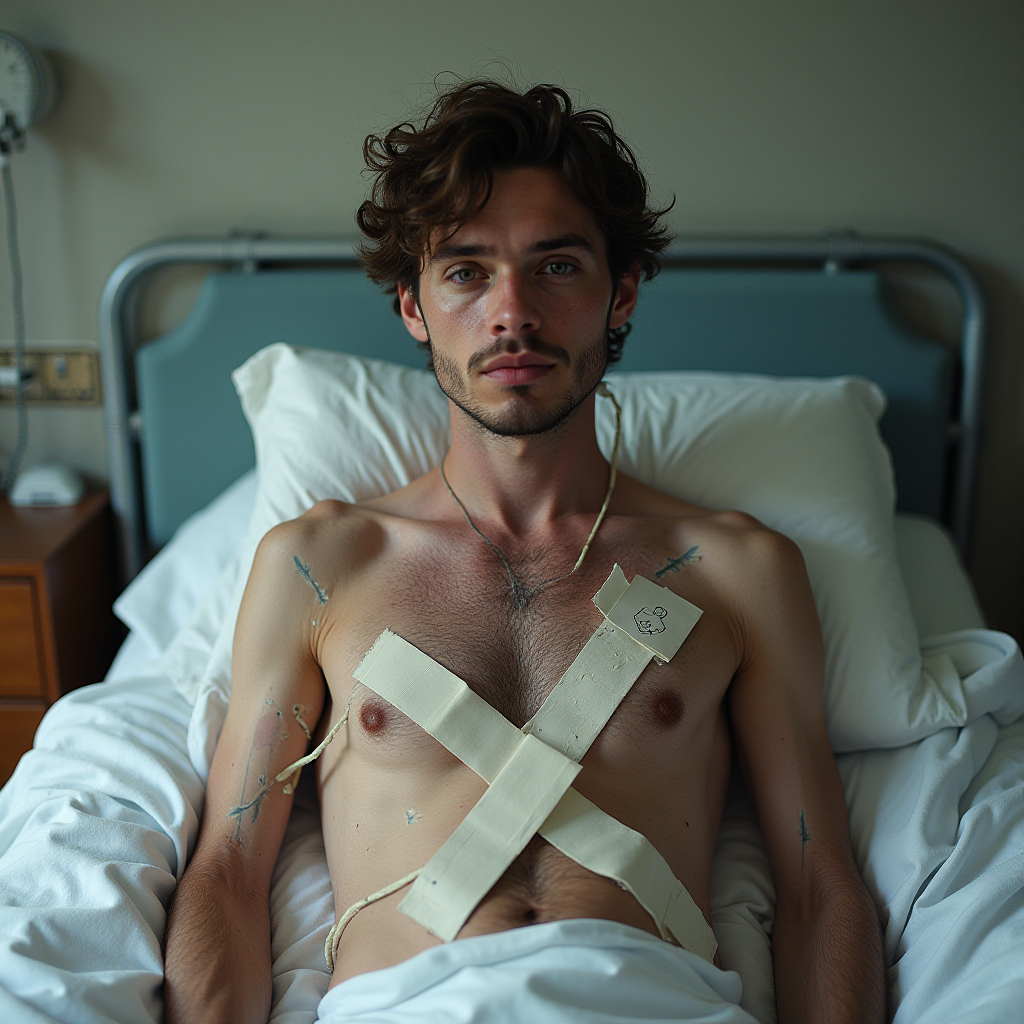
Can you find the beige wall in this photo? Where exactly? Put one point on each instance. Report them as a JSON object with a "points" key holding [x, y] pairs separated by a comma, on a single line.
{"points": [[185, 116]]}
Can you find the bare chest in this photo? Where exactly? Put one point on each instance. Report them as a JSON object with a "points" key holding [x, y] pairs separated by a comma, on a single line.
{"points": [[512, 655]]}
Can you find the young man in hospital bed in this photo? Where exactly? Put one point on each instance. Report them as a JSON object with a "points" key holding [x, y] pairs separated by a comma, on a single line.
{"points": [[525, 674]]}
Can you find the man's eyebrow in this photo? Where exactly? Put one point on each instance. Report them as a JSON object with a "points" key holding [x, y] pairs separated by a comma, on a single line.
{"points": [[455, 252], [564, 242]]}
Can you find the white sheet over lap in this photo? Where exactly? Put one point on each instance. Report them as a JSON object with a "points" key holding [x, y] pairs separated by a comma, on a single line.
{"points": [[580, 971]]}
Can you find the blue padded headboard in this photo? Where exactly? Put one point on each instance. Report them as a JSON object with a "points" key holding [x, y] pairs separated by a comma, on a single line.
{"points": [[194, 439], [176, 435], [805, 323]]}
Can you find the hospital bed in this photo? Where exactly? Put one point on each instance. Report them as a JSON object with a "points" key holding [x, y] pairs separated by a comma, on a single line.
{"points": [[97, 821]]}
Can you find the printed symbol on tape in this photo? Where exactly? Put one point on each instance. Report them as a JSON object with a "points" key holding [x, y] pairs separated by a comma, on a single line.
{"points": [[661, 631], [650, 622]]}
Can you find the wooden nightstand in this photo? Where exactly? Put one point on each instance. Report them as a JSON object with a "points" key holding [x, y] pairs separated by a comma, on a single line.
{"points": [[57, 630]]}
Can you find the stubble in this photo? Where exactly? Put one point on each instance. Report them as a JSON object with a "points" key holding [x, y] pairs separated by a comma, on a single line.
{"points": [[523, 418]]}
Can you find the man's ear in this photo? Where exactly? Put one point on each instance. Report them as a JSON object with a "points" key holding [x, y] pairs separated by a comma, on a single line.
{"points": [[409, 307], [625, 298]]}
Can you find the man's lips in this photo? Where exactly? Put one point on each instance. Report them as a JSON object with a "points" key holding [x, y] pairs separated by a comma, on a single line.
{"points": [[523, 368]]}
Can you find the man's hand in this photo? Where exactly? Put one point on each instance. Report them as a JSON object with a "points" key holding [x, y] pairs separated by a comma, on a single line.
{"points": [[826, 941], [218, 965]]}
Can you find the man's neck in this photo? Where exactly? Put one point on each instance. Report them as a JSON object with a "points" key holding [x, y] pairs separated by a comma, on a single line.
{"points": [[522, 485]]}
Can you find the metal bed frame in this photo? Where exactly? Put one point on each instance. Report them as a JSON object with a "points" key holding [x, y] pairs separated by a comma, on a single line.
{"points": [[831, 252]]}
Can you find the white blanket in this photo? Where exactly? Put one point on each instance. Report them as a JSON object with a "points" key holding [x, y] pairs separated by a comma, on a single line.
{"points": [[938, 831], [584, 972], [94, 829], [96, 823]]}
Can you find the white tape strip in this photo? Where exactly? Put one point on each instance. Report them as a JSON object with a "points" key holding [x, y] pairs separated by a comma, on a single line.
{"points": [[441, 703], [644, 621], [530, 776], [476, 855], [596, 840], [653, 616], [611, 590], [489, 838], [593, 686]]}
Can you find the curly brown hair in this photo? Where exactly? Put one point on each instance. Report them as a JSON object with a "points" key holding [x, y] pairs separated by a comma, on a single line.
{"points": [[440, 174]]}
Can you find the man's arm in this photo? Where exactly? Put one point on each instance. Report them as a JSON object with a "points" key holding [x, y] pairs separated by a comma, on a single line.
{"points": [[826, 941], [217, 946]]}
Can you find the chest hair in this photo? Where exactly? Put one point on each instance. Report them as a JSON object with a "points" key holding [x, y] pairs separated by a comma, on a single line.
{"points": [[509, 650]]}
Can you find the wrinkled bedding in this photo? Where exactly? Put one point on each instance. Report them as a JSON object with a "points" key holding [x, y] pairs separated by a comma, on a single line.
{"points": [[586, 971], [97, 822]]}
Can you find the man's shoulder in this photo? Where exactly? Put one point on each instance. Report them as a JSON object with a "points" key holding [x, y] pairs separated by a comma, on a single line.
{"points": [[744, 535], [744, 552], [335, 534], [732, 532], [739, 558]]}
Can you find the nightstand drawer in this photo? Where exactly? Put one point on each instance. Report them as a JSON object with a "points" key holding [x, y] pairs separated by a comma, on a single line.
{"points": [[21, 661], [18, 724]]}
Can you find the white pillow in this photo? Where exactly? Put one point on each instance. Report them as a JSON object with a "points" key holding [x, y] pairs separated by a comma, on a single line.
{"points": [[158, 602], [804, 456]]}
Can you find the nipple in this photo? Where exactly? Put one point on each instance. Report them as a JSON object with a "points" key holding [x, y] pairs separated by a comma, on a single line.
{"points": [[374, 716], [667, 709]]}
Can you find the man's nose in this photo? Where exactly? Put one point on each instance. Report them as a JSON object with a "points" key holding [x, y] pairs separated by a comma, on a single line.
{"points": [[511, 311]]}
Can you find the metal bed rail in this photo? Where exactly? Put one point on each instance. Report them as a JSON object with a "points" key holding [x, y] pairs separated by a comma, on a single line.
{"points": [[117, 330]]}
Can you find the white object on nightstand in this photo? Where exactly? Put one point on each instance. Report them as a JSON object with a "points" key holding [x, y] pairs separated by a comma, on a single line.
{"points": [[47, 485]]}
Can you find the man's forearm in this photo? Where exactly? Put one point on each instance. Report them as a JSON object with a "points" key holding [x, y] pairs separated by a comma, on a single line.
{"points": [[216, 952], [829, 963]]}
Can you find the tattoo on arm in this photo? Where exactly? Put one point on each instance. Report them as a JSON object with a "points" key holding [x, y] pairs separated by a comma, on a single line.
{"points": [[303, 570], [676, 564], [270, 731], [254, 804], [805, 837]]}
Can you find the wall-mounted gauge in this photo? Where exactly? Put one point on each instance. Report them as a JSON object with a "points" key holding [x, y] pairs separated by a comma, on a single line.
{"points": [[28, 91], [28, 85]]}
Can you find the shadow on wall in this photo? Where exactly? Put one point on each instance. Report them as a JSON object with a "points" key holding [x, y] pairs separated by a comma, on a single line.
{"points": [[78, 133], [998, 543]]}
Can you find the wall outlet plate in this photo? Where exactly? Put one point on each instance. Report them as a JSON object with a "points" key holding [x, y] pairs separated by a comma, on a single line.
{"points": [[64, 376]]}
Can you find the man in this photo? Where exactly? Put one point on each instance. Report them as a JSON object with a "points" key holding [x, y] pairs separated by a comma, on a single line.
{"points": [[515, 231]]}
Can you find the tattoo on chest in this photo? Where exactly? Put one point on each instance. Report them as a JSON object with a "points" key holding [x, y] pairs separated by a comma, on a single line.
{"points": [[805, 837], [677, 564]]}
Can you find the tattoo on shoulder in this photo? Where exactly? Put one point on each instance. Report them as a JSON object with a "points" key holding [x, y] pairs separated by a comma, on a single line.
{"points": [[677, 564], [303, 570], [805, 837]]}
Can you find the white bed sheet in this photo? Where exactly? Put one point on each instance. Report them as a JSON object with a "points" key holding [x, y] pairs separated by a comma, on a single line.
{"points": [[96, 822]]}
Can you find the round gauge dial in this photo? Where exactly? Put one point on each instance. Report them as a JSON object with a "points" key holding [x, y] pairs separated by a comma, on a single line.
{"points": [[28, 86]]}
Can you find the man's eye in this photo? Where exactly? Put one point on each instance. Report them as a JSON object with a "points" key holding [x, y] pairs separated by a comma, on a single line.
{"points": [[559, 268], [463, 275]]}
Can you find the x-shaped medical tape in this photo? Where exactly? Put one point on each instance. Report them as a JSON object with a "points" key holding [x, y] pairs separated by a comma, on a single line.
{"points": [[530, 772]]}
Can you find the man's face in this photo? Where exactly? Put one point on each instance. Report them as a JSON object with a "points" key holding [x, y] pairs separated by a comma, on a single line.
{"points": [[516, 306]]}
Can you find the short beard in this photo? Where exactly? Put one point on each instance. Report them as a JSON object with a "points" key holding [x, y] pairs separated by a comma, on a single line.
{"points": [[524, 421]]}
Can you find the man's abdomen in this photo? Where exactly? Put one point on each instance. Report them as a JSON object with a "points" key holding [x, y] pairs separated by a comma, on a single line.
{"points": [[541, 885]]}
